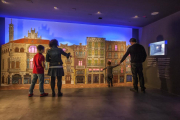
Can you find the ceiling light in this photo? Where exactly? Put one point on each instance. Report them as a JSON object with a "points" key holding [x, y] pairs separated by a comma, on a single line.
{"points": [[98, 12], [55, 8], [3, 1], [136, 16], [154, 13]]}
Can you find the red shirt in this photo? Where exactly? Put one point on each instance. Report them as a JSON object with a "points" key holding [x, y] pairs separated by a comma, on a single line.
{"points": [[37, 61]]}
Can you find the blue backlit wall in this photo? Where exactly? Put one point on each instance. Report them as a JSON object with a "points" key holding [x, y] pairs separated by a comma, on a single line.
{"points": [[70, 33]]}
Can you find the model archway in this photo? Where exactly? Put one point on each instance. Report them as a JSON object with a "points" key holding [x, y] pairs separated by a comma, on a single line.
{"points": [[16, 79]]}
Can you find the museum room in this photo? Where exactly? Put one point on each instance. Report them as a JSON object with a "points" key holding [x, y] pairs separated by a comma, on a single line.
{"points": [[89, 59]]}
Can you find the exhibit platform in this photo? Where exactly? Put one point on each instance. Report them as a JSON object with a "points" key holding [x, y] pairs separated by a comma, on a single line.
{"points": [[47, 86]]}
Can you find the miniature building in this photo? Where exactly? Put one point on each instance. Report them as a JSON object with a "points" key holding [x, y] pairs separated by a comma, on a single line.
{"points": [[80, 54], [68, 64], [114, 52], [128, 68], [17, 60], [32, 35], [95, 60], [84, 67]]}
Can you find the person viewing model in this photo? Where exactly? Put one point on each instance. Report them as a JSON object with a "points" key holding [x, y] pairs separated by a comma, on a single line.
{"points": [[53, 56], [138, 56], [38, 72], [109, 76]]}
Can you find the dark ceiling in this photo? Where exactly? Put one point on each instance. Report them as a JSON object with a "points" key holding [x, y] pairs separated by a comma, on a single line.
{"points": [[114, 12]]}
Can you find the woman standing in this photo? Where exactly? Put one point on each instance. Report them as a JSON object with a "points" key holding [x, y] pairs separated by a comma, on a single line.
{"points": [[53, 56]]}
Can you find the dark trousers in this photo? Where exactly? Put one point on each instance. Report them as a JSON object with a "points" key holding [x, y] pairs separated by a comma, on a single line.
{"points": [[137, 69], [109, 80], [59, 83]]}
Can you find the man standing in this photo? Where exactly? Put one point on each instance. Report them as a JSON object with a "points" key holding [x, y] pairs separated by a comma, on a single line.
{"points": [[138, 56]]}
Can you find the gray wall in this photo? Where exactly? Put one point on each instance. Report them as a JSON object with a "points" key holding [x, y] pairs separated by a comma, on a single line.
{"points": [[167, 28]]}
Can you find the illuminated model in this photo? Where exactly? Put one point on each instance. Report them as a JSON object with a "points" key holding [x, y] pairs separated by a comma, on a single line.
{"points": [[85, 66]]}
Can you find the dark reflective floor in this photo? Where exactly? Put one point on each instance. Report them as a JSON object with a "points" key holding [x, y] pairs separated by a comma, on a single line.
{"points": [[90, 104]]}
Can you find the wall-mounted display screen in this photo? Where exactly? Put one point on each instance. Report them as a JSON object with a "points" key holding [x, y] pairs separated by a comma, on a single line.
{"points": [[158, 48]]}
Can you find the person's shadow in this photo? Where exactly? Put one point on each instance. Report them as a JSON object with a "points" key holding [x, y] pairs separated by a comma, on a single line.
{"points": [[162, 79]]}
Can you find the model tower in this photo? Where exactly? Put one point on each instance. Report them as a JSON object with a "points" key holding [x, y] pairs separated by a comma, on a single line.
{"points": [[11, 31]]}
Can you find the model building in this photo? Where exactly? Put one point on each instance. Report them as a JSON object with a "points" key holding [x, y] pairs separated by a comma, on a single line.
{"points": [[85, 66]]}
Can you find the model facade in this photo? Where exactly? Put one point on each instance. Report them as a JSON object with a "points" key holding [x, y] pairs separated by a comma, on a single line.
{"points": [[84, 67]]}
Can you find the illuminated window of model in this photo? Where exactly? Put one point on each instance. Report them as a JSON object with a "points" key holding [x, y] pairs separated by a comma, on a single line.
{"points": [[32, 49]]}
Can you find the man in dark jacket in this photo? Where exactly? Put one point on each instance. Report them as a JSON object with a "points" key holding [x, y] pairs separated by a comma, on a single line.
{"points": [[138, 56]]}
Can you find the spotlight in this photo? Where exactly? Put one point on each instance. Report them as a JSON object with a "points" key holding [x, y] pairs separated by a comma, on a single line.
{"points": [[154, 13], [3, 1], [55, 8], [136, 16], [98, 12]]}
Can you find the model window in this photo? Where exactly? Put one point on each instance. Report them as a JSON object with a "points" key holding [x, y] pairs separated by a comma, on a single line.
{"points": [[80, 63], [116, 55], [22, 50], [16, 49], [17, 64], [122, 71], [90, 52], [32, 49], [96, 52], [109, 55], [121, 55], [116, 47], [31, 63], [80, 53], [68, 69], [109, 47], [90, 44], [102, 44], [122, 48], [96, 62], [28, 63], [102, 62], [89, 62], [8, 63], [116, 62], [12, 64], [102, 52], [96, 44], [3, 64]]}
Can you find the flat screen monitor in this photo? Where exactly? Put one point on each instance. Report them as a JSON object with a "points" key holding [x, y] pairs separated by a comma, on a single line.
{"points": [[158, 48]]}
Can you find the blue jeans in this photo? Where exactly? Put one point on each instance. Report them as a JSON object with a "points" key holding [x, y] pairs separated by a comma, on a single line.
{"points": [[41, 83]]}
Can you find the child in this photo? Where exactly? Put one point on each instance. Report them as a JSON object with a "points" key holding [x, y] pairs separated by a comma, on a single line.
{"points": [[109, 73], [38, 72]]}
